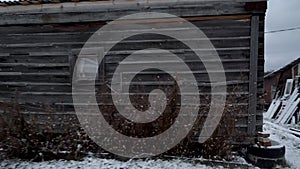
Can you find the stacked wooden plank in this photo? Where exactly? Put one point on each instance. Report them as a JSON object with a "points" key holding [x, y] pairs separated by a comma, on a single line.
{"points": [[283, 109]]}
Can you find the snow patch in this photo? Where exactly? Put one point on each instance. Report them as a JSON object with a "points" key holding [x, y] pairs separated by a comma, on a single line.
{"points": [[92, 163], [291, 142]]}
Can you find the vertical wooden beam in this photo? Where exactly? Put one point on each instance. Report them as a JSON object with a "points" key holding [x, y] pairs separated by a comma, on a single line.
{"points": [[253, 76]]}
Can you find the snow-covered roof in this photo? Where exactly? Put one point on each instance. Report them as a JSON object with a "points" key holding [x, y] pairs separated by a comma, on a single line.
{"points": [[288, 66]]}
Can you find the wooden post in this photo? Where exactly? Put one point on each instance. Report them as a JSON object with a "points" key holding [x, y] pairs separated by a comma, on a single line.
{"points": [[253, 76]]}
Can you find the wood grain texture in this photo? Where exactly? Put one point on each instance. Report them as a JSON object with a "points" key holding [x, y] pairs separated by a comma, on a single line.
{"points": [[38, 52]]}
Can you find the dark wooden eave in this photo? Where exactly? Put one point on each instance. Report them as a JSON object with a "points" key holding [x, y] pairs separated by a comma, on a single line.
{"points": [[94, 11]]}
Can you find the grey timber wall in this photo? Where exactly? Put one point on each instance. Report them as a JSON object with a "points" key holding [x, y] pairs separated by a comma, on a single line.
{"points": [[39, 46]]}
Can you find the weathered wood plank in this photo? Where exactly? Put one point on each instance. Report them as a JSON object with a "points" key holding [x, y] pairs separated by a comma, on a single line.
{"points": [[35, 59], [166, 44], [225, 55], [187, 60], [34, 74], [35, 65], [26, 83], [67, 88], [253, 75], [212, 28], [66, 98], [98, 12], [194, 66], [60, 77]]}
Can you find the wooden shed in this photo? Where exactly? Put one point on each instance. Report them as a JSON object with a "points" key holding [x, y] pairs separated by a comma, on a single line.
{"points": [[40, 41]]}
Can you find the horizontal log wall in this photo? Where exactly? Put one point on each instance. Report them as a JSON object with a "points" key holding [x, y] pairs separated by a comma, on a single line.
{"points": [[36, 59]]}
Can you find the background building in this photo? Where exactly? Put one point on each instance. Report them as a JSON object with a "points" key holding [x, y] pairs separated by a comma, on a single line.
{"points": [[275, 81]]}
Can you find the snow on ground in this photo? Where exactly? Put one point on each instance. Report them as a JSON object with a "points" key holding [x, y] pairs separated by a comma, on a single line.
{"points": [[95, 163], [98, 163], [291, 142]]}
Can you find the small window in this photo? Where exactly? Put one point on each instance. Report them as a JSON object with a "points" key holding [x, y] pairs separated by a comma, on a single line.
{"points": [[86, 68], [288, 87]]}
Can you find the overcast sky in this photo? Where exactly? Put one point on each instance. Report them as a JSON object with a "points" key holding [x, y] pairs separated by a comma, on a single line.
{"points": [[282, 47]]}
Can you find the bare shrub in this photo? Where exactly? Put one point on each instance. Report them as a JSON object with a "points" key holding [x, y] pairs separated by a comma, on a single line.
{"points": [[19, 139], [23, 140]]}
